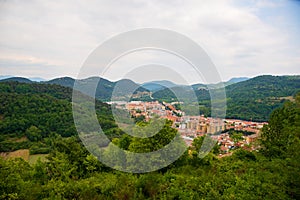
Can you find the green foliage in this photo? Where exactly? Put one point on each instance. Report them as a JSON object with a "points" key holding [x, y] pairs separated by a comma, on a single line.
{"points": [[198, 142], [281, 137], [140, 118], [39, 112], [253, 99], [34, 134], [154, 143], [244, 155], [256, 98], [71, 172], [124, 142], [236, 136], [40, 148]]}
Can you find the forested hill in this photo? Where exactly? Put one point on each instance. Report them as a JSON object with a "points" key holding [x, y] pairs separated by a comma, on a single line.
{"points": [[71, 172], [264, 87], [16, 87], [256, 98], [253, 99], [105, 88], [41, 112]]}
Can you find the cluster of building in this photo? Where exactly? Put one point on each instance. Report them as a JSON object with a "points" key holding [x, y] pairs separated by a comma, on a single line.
{"points": [[199, 125], [227, 143], [150, 109], [191, 127], [195, 126]]}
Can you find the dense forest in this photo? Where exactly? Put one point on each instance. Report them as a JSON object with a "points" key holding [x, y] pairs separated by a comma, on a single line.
{"points": [[256, 98], [253, 99], [42, 115]]}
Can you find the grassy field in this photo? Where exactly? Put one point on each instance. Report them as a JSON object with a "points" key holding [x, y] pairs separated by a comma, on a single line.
{"points": [[34, 158], [24, 153]]}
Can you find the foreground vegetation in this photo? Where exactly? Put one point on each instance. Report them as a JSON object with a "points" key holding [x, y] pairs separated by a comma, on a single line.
{"points": [[71, 172]]}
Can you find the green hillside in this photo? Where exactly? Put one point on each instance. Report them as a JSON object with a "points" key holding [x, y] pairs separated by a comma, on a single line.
{"points": [[257, 97], [41, 113], [71, 172], [105, 88], [253, 99]]}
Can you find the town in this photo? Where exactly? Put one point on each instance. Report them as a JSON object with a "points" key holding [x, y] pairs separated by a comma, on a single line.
{"points": [[191, 127]]}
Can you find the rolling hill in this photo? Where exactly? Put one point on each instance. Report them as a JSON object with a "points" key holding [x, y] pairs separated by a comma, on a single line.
{"points": [[250, 99], [31, 113], [237, 80], [17, 79], [257, 97], [122, 89], [158, 85]]}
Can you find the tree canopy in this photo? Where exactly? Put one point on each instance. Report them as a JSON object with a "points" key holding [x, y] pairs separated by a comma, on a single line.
{"points": [[71, 172]]}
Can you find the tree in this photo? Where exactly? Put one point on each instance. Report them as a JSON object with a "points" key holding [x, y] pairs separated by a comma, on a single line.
{"points": [[197, 143], [278, 138], [34, 134], [236, 136]]}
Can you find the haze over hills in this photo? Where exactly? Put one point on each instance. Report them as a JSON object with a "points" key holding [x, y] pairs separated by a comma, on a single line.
{"points": [[237, 79], [104, 91], [63, 81], [105, 87], [5, 77], [16, 79], [253, 98], [35, 79], [158, 85], [69, 81]]}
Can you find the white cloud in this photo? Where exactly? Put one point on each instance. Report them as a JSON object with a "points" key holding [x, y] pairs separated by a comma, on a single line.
{"points": [[63, 33]]}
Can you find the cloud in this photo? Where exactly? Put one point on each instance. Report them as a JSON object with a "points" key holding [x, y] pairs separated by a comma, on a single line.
{"points": [[239, 36]]}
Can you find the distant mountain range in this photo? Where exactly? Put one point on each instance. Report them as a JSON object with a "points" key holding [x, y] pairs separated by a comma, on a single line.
{"points": [[158, 85], [105, 87], [16, 79], [154, 86], [237, 80], [35, 79], [253, 98], [121, 90]]}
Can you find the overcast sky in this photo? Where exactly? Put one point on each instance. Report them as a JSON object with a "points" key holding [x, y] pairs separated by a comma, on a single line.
{"points": [[51, 39]]}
